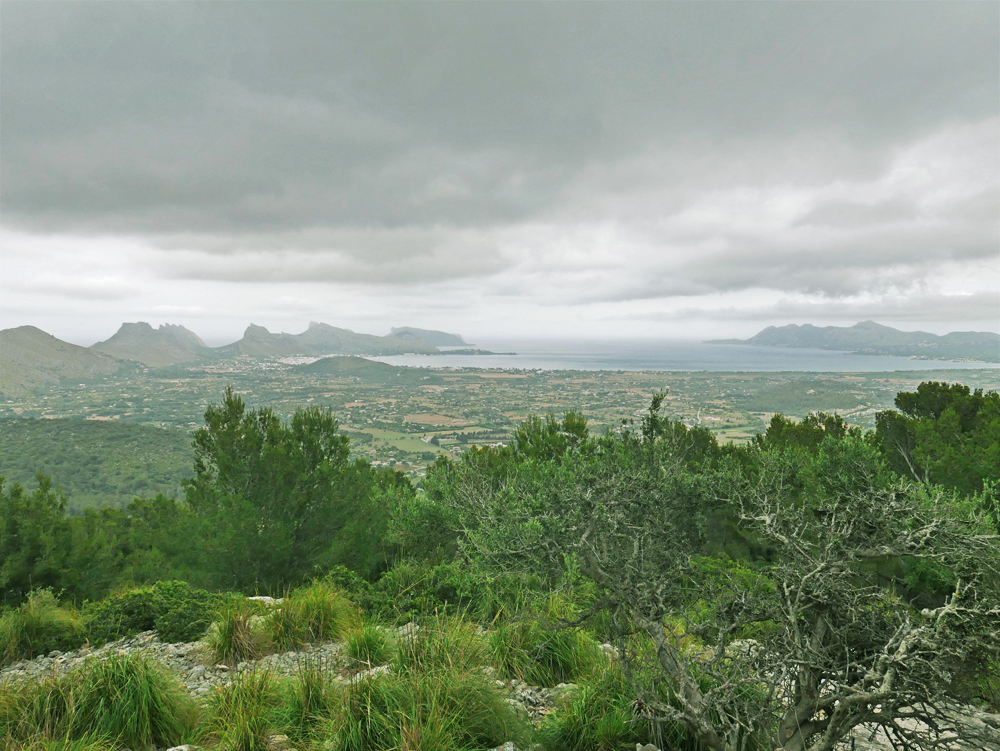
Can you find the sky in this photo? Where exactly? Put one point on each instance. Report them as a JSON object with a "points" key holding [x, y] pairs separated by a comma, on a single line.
{"points": [[501, 170]]}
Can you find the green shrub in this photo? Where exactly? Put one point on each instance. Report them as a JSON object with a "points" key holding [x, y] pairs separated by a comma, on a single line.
{"points": [[237, 634], [126, 698], [314, 613], [243, 713], [175, 610], [38, 626], [183, 613], [368, 646]]}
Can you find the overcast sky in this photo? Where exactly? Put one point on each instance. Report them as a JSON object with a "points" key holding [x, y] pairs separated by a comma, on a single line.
{"points": [[667, 169]]}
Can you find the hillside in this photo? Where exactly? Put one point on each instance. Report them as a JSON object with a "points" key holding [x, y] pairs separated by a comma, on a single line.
{"points": [[870, 338], [322, 339], [31, 359], [106, 463], [257, 341], [370, 371], [437, 338], [156, 348]]}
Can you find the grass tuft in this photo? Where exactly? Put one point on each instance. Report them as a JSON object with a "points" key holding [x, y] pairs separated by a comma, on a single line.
{"points": [[308, 700], [368, 646], [236, 636], [38, 626], [314, 613], [244, 712], [538, 651], [120, 700], [445, 642]]}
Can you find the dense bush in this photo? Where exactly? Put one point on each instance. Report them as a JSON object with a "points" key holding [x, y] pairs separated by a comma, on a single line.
{"points": [[176, 610], [38, 626]]}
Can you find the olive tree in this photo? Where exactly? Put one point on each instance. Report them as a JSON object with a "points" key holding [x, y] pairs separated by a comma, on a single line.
{"points": [[775, 608]]}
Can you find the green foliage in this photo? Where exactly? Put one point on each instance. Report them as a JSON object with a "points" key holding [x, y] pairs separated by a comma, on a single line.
{"points": [[368, 646], [274, 495], [238, 633], [314, 613], [549, 439], [439, 698], [38, 626], [34, 539], [542, 651], [600, 715], [243, 713], [443, 642], [807, 435], [946, 434], [97, 463], [306, 701], [134, 700], [127, 698], [175, 610]]}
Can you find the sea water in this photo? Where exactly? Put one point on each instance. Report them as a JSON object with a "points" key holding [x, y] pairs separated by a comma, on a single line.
{"points": [[669, 356]]}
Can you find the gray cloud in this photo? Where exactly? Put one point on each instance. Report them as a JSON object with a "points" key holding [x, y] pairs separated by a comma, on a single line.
{"points": [[563, 153], [920, 307]]}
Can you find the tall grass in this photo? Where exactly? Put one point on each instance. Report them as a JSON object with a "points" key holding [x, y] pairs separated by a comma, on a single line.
{"points": [[125, 698], [236, 636], [314, 613], [244, 712], [308, 699], [538, 650], [599, 717], [438, 698], [368, 646], [444, 642], [38, 626]]}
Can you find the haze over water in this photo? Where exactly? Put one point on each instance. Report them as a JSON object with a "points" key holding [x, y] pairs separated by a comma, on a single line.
{"points": [[670, 356]]}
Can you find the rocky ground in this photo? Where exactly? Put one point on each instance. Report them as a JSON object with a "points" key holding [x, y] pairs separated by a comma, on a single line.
{"points": [[200, 674], [193, 664]]}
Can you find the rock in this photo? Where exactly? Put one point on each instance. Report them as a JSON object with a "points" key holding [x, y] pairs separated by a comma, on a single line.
{"points": [[265, 600], [185, 747], [647, 747], [278, 743]]}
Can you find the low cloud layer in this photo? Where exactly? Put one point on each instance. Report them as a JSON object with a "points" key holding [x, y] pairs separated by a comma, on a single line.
{"points": [[520, 168]]}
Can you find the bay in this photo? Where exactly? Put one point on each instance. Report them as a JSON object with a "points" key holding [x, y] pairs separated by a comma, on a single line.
{"points": [[663, 355]]}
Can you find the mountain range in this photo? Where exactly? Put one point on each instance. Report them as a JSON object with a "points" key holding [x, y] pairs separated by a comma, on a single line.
{"points": [[31, 359], [870, 338]]}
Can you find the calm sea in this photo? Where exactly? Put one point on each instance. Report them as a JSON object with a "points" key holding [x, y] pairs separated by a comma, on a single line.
{"points": [[670, 356]]}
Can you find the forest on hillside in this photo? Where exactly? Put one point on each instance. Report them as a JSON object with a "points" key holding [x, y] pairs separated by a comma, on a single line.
{"points": [[776, 594]]}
